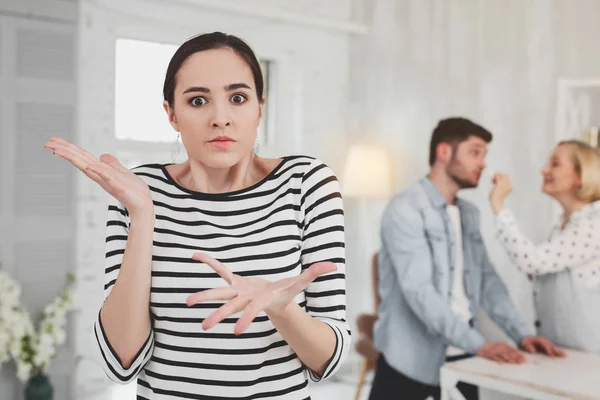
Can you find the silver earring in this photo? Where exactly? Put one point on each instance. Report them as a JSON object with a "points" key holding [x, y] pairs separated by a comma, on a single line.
{"points": [[256, 146], [175, 150]]}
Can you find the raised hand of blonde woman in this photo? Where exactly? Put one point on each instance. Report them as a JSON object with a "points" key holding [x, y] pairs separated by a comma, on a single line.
{"points": [[502, 188], [129, 189]]}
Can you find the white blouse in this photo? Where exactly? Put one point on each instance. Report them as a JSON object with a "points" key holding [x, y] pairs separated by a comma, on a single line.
{"points": [[575, 248]]}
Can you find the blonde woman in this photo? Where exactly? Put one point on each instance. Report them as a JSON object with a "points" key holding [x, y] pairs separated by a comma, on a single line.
{"points": [[566, 268]]}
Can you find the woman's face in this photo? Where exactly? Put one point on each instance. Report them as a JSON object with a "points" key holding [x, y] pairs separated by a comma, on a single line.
{"points": [[216, 108], [560, 178]]}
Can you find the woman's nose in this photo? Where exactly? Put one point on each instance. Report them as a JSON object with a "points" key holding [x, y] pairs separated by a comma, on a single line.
{"points": [[221, 117]]}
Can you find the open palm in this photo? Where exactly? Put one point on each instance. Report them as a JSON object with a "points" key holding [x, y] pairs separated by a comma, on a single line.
{"points": [[125, 186], [252, 295]]}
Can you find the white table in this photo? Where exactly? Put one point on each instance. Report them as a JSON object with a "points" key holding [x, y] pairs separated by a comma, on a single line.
{"points": [[576, 377]]}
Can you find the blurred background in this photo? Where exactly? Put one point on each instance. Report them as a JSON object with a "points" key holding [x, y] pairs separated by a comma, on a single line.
{"points": [[359, 84]]}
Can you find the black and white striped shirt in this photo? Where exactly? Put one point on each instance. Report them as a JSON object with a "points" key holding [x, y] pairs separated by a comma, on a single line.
{"points": [[273, 230]]}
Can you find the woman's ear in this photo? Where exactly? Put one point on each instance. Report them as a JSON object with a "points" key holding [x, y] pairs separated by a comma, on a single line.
{"points": [[260, 108], [171, 114]]}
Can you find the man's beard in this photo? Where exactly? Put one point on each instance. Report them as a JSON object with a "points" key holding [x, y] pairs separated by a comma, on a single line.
{"points": [[453, 172]]}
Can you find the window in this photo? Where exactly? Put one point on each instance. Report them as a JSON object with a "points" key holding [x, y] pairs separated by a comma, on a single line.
{"points": [[139, 76]]}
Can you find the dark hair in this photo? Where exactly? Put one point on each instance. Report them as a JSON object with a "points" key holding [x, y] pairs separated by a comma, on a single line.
{"points": [[209, 41], [454, 131]]}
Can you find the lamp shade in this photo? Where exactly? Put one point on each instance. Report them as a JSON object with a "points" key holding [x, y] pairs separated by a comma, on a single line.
{"points": [[367, 172]]}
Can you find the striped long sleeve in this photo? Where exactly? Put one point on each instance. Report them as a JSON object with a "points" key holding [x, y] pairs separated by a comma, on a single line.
{"points": [[323, 240], [271, 230], [117, 230]]}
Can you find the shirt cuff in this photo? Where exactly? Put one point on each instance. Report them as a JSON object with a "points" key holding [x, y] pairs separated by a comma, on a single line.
{"points": [[473, 341], [504, 218], [520, 332]]}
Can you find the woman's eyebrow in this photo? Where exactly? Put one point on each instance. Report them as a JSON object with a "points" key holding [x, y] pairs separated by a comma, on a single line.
{"points": [[228, 88]]}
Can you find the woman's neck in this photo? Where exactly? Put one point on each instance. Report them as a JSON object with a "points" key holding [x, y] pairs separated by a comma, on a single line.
{"points": [[198, 177], [570, 205]]}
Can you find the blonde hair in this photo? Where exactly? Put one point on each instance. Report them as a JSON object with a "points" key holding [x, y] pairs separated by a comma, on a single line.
{"points": [[586, 160]]}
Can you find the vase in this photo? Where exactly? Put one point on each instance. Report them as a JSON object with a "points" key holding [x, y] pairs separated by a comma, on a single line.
{"points": [[38, 387]]}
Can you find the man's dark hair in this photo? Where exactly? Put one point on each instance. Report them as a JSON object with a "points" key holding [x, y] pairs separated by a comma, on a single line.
{"points": [[453, 131]]}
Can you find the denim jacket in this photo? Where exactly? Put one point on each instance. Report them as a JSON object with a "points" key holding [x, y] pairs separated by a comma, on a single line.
{"points": [[416, 263]]}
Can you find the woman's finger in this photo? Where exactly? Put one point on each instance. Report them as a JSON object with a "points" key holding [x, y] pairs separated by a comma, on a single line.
{"points": [[113, 162], [316, 270], [219, 268], [71, 148], [232, 307], [106, 172], [250, 312], [84, 154], [308, 276], [111, 180], [59, 140], [71, 157], [98, 179], [56, 143], [82, 165], [222, 293], [284, 283]]}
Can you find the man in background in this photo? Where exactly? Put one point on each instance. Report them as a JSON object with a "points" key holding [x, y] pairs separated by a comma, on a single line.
{"points": [[434, 274]]}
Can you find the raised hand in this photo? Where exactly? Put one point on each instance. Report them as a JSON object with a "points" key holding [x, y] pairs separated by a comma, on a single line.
{"points": [[502, 188], [252, 295], [129, 189]]}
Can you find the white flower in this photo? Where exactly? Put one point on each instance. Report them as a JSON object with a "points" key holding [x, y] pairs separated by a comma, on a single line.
{"points": [[21, 324], [49, 309], [32, 351], [4, 342], [45, 340], [15, 348], [42, 359], [23, 370], [60, 337]]}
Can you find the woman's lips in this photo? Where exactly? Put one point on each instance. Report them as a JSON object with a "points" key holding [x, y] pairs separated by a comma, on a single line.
{"points": [[221, 143]]}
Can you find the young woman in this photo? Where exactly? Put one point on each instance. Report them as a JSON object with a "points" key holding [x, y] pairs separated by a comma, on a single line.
{"points": [[225, 273], [566, 268]]}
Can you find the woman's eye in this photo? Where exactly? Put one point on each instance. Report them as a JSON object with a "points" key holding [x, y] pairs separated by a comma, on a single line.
{"points": [[238, 99], [198, 101]]}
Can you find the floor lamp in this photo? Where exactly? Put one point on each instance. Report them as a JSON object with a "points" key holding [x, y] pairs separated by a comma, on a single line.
{"points": [[366, 179]]}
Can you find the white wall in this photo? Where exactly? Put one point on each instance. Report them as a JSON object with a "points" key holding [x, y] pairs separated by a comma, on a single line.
{"points": [[495, 61], [37, 101]]}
